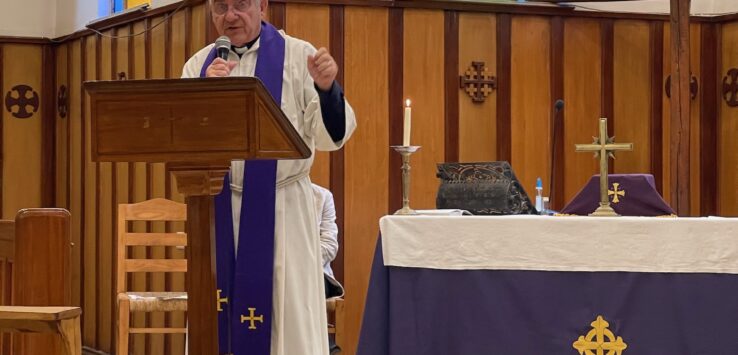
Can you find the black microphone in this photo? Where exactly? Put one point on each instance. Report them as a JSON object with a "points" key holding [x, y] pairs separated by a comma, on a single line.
{"points": [[558, 106], [223, 47]]}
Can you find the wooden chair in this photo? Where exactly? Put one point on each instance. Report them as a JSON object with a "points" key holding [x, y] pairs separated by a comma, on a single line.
{"points": [[335, 306], [151, 210], [60, 320], [37, 247]]}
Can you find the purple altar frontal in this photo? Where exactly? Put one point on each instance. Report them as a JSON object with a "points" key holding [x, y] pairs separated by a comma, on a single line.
{"points": [[518, 305]]}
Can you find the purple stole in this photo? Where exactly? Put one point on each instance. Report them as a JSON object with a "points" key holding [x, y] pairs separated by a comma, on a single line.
{"points": [[245, 280]]}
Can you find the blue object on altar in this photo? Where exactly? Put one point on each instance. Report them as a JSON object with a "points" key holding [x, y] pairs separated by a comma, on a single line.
{"points": [[630, 195]]}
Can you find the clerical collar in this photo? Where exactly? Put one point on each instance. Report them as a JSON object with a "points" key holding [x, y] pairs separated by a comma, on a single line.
{"points": [[243, 49]]}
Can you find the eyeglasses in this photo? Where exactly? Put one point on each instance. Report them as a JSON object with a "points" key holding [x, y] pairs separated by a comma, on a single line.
{"points": [[221, 8]]}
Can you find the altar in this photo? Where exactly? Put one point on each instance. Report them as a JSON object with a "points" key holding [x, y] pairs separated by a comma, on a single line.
{"points": [[522, 285]]}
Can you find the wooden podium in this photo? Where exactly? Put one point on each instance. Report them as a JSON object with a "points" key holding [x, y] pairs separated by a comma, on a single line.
{"points": [[197, 126]]}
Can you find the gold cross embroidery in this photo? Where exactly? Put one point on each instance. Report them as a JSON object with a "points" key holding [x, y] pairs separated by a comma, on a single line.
{"points": [[615, 192], [221, 301], [599, 340], [251, 318]]}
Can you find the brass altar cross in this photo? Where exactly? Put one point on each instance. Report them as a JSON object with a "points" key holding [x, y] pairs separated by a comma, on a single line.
{"points": [[251, 318], [603, 147]]}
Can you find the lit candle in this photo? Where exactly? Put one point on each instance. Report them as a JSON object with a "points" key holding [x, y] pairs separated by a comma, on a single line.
{"points": [[406, 125]]}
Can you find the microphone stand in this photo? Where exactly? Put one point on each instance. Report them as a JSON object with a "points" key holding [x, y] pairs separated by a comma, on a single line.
{"points": [[555, 133]]}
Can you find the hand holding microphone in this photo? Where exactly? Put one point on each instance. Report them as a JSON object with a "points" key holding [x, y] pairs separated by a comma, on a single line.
{"points": [[221, 67]]}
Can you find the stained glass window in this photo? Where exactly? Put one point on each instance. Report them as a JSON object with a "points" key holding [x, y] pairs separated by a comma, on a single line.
{"points": [[108, 7]]}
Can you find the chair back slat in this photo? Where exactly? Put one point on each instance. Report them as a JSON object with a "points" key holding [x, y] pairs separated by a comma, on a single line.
{"points": [[157, 209], [154, 210], [157, 265], [156, 239]]}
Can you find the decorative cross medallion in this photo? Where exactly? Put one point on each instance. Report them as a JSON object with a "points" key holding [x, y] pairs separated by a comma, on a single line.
{"points": [[730, 89], [251, 318], [599, 340], [603, 147], [615, 192], [221, 301], [478, 82], [22, 101]]}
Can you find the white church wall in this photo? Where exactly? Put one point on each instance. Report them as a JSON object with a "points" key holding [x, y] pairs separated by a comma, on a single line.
{"points": [[73, 15], [27, 18], [50, 18]]}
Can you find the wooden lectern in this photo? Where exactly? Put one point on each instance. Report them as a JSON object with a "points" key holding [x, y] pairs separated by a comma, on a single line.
{"points": [[197, 126]]}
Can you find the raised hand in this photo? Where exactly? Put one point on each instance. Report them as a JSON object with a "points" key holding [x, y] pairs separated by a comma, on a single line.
{"points": [[220, 68], [323, 69]]}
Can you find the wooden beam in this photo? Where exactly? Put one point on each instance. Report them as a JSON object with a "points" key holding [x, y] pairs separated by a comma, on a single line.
{"points": [[680, 107]]}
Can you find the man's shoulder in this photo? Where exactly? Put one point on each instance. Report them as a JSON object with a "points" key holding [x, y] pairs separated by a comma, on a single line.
{"points": [[322, 190], [297, 44], [203, 52]]}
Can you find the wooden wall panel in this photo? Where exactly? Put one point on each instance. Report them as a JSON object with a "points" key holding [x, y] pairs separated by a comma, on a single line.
{"points": [[531, 95], [632, 95], [582, 80], [139, 187], [62, 129], [197, 31], [89, 227], [175, 344], [728, 129], [21, 138], [76, 187], [105, 218], [367, 153], [157, 52], [695, 109], [423, 84], [477, 121], [312, 23], [695, 60], [666, 122]]}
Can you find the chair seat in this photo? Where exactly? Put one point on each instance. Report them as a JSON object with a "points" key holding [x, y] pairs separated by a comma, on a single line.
{"points": [[156, 301]]}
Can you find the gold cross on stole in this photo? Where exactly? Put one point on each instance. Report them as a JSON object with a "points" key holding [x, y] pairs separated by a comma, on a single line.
{"points": [[251, 318], [221, 301], [603, 147]]}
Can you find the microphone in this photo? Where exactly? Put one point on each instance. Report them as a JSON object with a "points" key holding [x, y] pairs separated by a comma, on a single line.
{"points": [[223, 47], [558, 106]]}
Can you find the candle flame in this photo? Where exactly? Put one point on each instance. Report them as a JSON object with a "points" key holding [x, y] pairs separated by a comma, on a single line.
{"points": [[407, 103]]}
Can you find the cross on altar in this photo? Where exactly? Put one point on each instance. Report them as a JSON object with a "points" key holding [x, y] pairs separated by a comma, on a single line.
{"points": [[603, 147]]}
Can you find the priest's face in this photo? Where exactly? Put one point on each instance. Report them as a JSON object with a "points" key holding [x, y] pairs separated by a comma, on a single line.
{"points": [[240, 20]]}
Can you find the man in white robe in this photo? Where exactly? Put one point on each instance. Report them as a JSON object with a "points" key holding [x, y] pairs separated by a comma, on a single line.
{"points": [[298, 313]]}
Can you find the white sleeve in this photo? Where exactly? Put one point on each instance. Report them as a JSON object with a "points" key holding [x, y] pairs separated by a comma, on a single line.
{"points": [[328, 229]]}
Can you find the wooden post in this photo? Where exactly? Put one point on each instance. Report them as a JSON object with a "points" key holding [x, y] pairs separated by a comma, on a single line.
{"points": [[680, 107], [199, 184]]}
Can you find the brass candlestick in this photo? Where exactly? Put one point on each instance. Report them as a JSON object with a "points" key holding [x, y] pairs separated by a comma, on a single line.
{"points": [[405, 151]]}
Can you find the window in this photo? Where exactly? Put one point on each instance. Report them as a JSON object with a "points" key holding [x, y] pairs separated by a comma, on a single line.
{"points": [[109, 7]]}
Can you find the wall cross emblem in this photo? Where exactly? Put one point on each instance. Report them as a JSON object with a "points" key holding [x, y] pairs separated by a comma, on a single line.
{"points": [[694, 87], [24, 98], [62, 101], [478, 82], [730, 88]]}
